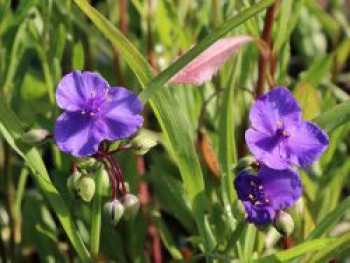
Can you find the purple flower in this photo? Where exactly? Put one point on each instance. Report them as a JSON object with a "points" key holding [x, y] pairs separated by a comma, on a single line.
{"points": [[94, 112], [278, 137], [270, 191]]}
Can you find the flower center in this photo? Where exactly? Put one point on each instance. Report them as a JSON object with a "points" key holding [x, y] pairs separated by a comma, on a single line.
{"points": [[281, 131], [257, 194], [95, 104]]}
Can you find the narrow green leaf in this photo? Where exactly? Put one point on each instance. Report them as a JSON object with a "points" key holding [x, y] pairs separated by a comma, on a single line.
{"points": [[334, 117], [11, 129], [339, 244], [330, 220], [303, 248]]}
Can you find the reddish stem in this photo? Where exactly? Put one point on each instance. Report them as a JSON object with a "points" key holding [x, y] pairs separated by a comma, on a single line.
{"points": [[266, 36], [118, 172]]}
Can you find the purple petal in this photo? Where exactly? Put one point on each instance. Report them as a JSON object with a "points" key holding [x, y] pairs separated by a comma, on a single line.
{"points": [[242, 185], [77, 88], [76, 134], [259, 215], [305, 145], [282, 187], [276, 106], [266, 149], [122, 115]]}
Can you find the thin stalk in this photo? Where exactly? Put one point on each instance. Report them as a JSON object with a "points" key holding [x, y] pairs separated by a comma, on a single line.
{"points": [[235, 236], [266, 36], [96, 215]]}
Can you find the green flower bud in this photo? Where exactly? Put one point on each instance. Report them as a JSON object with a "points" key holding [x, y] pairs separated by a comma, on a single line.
{"points": [[248, 162], [114, 211], [85, 163], [35, 136], [144, 141], [131, 206], [72, 183], [284, 223], [85, 188]]}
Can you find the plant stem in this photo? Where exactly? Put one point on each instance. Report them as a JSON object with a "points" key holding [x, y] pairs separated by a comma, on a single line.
{"points": [[266, 36], [235, 236], [96, 215]]}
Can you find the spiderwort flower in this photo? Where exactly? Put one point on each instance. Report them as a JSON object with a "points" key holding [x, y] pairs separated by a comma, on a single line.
{"points": [[278, 137], [268, 192], [94, 112]]}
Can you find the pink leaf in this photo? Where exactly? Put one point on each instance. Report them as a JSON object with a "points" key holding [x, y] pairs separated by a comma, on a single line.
{"points": [[204, 67]]}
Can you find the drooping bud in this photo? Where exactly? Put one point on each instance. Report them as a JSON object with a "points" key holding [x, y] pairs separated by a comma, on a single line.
{"points": [[246, 163], [131, 206], [85, 188], [114, 211], [284, 223], [72, 183], [35, 136], [144, 141]]}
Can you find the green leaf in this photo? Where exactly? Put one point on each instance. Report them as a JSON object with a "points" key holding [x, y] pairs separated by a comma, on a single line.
{"points": [[335, 117], [339, 244], [303, 248], [11, 129], [78, 56], [330, 220]]}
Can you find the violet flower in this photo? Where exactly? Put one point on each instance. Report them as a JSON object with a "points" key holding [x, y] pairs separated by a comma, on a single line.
{"points": [[268, 192], [94, 112], [278, 137]]}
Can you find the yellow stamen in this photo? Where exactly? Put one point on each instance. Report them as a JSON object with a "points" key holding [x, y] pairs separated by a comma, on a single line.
{"points": [[251, 197], [285, 133], [257, 203], [252, 183], [267, 200], [279, 124]]}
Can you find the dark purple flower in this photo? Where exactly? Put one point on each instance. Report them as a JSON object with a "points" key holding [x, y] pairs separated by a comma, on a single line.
{"points": [[270, 191], [278, 137], [94, 112]]}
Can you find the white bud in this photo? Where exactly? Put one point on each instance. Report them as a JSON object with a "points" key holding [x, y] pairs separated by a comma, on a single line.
{"points": [[131, 206], [114, 211]]}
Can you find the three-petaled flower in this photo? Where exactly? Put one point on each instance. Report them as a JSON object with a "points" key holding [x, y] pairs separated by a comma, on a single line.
{"points": [[94, 112], [279, 137], [268, 192]]}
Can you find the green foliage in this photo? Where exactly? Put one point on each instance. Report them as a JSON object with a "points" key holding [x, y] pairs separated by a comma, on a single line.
{"points": [[186, 209]]}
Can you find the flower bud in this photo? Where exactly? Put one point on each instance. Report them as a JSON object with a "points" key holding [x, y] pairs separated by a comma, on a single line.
{"points": [[85, 188], [143, 142], [35, 136], [131, 206], [248, 162], [72, 183], [85, 163], [114, 211], [284, 223]]}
